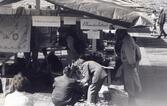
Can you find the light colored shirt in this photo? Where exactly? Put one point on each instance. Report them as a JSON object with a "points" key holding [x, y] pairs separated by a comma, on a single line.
{"points": [[17, 99], [93, 71]]}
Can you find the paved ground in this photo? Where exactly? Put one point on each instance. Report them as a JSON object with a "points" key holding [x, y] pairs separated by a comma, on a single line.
{"points": [[153, 71]]}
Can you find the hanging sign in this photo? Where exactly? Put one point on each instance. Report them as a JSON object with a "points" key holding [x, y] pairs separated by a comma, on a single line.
{"points": [[69, 20], [46, 21], [93, 34], [15, 33], [94, 24]]}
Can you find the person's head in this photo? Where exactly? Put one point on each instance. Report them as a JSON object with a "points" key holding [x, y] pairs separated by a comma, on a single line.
{"points": [[120, 33], [29, 6], [67, 31], [67, 71], [62, 31], [70, 71], [161, 9], [19, 82], [154, 11], [129, 40], [20, 11], [135, 39], [81, 60]]}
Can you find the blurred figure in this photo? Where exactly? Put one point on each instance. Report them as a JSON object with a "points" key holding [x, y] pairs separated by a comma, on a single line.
{"points": [[67, 91], [18, 97], [130, 57], [69, 38], [20, 11], [161, 21], [54, 63], [94, 76], [120, 33], [154, 20]]}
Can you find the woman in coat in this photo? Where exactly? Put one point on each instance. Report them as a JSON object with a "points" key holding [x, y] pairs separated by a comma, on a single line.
{"points": [[130, 57]]}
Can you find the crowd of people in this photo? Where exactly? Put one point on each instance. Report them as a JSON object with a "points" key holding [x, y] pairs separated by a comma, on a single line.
{"points": [[83, 78], [84, 75]]}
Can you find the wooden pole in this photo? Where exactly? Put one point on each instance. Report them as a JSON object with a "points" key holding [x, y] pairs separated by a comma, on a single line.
{"points": [[94, 45], [3, 69]]}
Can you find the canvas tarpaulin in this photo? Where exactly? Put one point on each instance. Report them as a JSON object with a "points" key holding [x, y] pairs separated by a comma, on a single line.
{"points": [[15, 33], [124, 13], [2, 2], [117, 12]]}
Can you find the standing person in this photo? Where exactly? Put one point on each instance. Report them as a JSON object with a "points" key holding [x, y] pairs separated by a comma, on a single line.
{"points": [[54, 63], [130, 57], [154, 20], [94, 75], [18, 97], [120, 33], [161, 21], [75, 46]]}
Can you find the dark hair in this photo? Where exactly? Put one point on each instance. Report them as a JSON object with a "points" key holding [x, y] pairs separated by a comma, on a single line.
{"points": [[20, 11], [70, 70], [120, 33], [154, 11], [85, 57]]}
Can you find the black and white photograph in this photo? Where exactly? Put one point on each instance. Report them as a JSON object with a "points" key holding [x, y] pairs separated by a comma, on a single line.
{"points": [[83, 53]]}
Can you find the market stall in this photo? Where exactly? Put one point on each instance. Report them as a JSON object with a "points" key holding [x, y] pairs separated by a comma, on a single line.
{"points": [[91, 16]]}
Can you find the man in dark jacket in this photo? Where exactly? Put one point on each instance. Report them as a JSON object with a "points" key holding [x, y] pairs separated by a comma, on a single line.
{"points": [[162, 19], [67, 91]]}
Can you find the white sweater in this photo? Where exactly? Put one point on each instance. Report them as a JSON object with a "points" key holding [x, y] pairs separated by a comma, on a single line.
{"points": [[17, 99]]}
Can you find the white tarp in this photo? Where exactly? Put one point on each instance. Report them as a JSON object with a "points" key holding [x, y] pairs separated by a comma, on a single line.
{"points": [[118, 12], [15, 33], [124, 13]]}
